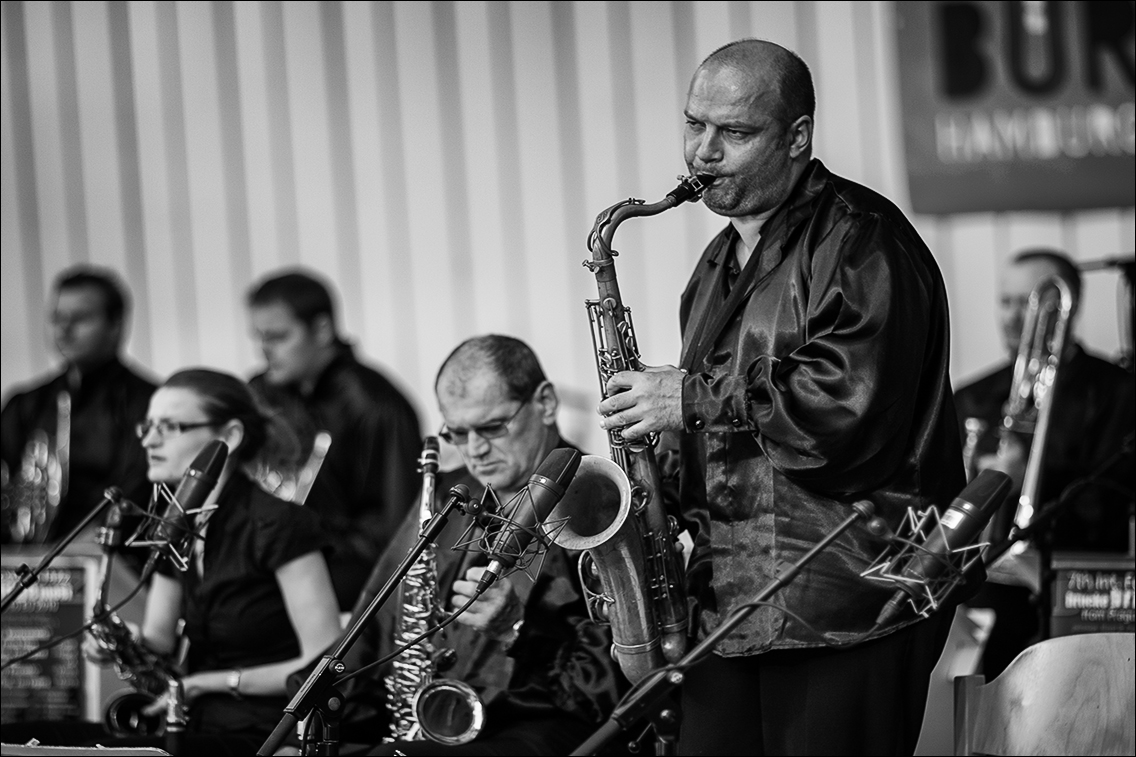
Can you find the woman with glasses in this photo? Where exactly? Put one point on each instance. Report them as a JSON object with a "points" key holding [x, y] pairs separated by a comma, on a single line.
{"points": [[256, 597]]}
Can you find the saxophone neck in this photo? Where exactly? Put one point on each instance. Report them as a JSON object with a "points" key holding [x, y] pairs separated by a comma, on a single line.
{"points": [[428, 463], [690, 189]]}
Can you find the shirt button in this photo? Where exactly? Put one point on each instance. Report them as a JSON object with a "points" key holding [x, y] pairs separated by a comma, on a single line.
{"points": [[697, 423], [737, 422]]}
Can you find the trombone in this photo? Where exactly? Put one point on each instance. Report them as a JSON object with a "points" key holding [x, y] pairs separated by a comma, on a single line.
{"points": [[1027, 411], [1044, 332]]}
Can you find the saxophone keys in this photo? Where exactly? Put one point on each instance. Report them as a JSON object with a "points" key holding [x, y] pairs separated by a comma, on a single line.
{"points": [[444, 659]]}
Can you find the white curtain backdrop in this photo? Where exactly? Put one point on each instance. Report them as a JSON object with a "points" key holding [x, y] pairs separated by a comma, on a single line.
{"points": [[440, 162]]}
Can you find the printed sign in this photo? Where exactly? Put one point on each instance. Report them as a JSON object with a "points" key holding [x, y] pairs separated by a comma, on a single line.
{"points": [[1018, 105], [1093, 593], [58, 683]]}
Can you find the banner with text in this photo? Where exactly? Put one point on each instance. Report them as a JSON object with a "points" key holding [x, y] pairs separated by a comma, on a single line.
{"points": [[56, 683], [1018, 105]]}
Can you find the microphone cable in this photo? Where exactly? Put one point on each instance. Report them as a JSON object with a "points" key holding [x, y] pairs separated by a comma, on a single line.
{"points": [[1054, 507], [416, 640], [142, 579]]}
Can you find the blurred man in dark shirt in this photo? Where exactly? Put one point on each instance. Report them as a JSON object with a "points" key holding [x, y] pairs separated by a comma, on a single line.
{"points": [[1090, 423], [368, 479], [67, 438]]}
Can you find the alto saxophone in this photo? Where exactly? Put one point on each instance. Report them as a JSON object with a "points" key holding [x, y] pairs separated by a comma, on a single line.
{"points": [[149, 674], [642, 593], [421, 706]]}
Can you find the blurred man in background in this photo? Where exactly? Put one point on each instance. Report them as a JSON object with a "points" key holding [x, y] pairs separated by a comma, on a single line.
{"points": [[70, 436], [1089, 440], [367, 477]]}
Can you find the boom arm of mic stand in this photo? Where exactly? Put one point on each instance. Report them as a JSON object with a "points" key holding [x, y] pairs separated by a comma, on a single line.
{"points": [[649, 696], [319, 684], [27, 576]]}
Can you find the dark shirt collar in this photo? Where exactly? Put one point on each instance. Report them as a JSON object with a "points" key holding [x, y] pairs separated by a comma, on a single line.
{"points": [[722, 253], [344, 356], [91, 377], [798, 206]]}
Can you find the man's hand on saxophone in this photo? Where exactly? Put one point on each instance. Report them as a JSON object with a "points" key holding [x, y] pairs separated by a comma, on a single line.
{"points": [[643, 402], [495, 613]]}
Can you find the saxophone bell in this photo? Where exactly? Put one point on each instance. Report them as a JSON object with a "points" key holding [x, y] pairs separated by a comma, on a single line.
{"points": [[449, 712], [125, 714], [595, 506], [600, 522]]}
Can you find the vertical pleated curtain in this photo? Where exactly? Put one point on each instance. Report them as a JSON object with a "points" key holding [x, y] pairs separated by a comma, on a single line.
{"points": [[441, 163]]}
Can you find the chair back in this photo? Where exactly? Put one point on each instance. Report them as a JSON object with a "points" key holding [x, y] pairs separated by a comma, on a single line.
{"points": [[1070, 695]]}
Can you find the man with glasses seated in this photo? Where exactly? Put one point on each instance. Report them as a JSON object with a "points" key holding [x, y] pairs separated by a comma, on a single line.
{"points": [[540, 666]]}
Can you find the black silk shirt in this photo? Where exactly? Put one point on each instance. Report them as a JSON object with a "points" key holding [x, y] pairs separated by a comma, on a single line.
{"points": [[368, 479], [559, 665], [1094, 410], [105, 451], [818, 380]]}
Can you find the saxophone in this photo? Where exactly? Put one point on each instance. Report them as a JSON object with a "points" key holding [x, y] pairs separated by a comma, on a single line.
{"points": [[295, 485], [422, 707], [642, 593], [149, 673], [31, 495]]}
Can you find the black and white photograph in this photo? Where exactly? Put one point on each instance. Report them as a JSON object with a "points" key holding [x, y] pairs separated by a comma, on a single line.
{"points": [[567, 377]]}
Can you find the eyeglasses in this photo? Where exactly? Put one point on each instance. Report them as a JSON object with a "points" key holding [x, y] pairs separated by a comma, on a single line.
{"points": [[168, 429], [494, 430]]}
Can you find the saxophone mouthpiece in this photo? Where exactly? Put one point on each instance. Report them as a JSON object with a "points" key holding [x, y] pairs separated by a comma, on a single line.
{"points": [[690, 188]]}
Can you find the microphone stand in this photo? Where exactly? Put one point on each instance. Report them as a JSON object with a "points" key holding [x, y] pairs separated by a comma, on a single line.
{"points": [[27, 576], [319, 691], [650, 696]]}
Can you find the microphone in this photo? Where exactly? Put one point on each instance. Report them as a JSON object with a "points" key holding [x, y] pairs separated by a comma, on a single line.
{"points": [[200, 478], [916, 569], [533, 505]]}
